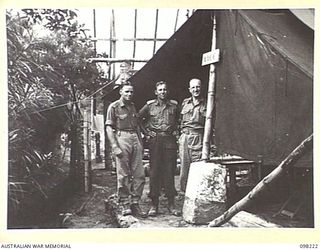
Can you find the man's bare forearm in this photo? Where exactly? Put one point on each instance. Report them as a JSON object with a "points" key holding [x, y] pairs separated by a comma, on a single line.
{"points": [[113, 141]]}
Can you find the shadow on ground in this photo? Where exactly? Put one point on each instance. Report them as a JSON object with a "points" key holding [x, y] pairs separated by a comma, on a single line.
{"points": [[87, 210]]}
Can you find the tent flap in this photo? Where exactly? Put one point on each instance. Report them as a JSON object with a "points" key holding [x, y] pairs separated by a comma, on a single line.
{"points": [[263, 100]]}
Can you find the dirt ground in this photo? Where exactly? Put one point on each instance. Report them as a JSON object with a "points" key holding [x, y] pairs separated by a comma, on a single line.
{"points": [[87, 210]]}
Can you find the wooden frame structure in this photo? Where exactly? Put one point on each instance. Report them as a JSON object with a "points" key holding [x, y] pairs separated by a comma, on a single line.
{"points": [[113, 39], [112, 59]]}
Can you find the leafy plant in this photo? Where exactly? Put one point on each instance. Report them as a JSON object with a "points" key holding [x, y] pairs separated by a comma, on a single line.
{"points": [[47, 67]]}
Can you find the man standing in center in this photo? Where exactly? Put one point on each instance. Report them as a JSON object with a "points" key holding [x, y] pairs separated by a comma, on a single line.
{"points": [[160, 119], [192, 120]]}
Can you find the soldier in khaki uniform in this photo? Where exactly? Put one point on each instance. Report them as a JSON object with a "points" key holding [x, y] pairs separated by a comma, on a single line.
{"points": [[160, 119], [192, 120], [124, 135]]}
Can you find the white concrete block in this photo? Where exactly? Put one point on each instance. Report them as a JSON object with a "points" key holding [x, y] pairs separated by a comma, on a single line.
{"points": [[206, 193]]}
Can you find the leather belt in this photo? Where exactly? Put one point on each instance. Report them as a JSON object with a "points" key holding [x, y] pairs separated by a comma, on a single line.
{"points": [[119, 131], [188, 131], [162, 133]]}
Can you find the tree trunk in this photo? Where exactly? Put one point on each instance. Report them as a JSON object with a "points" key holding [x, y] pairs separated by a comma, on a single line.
{"points": [[263, 185]]}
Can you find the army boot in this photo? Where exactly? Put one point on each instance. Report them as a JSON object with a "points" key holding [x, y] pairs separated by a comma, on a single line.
{"points": [[153, 211], [125, 209], [171, 207], [136, 211]]}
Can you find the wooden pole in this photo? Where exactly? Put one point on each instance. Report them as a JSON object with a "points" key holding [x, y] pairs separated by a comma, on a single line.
{"points": [[263, 185], [89, 169], [86, 150], [92, 104], [176, 22], [113, 44], [155, 32], [114, 60], [143, 39], [210, 101], [135, 33], [85, 147], [110, 49], [94, 32], [95, 54]]}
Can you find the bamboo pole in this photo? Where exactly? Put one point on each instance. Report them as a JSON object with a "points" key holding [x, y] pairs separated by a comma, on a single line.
{"points": [[85, 147], [155, 32], [262, 185], [113, 43], [89, 169], [135, 32], [110, 49], [95, 54], [176, 22], [86, 150], [94, 31], [115, 39], [210, 101], [92, 113], [114, 60]]}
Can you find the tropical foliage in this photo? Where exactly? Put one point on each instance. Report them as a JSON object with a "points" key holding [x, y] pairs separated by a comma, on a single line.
{"points": [[47, 68]]}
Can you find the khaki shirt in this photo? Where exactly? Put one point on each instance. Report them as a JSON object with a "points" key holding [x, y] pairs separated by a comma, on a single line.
{"points": [[192, 116], [121, 116], [160, 118]]}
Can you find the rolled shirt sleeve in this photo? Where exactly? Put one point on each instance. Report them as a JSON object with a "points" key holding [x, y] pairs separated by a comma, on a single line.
{"points": [[111, 118]]}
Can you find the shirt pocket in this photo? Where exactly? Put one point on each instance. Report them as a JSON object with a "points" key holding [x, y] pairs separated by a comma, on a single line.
{"points": [[122, 121], [186, 112], [154, 119], [122, 116], [153, 112]]}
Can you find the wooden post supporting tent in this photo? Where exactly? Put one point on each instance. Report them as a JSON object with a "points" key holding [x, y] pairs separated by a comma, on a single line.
{"points": [[201, 203], [263, 185], [213, 57]]}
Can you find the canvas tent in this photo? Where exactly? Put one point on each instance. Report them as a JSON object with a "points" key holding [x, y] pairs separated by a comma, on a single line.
{"points": [[264, 84], [264, 79]]}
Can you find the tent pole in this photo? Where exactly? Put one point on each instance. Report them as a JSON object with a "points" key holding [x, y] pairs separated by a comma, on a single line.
{"points": [[210, 101]]}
